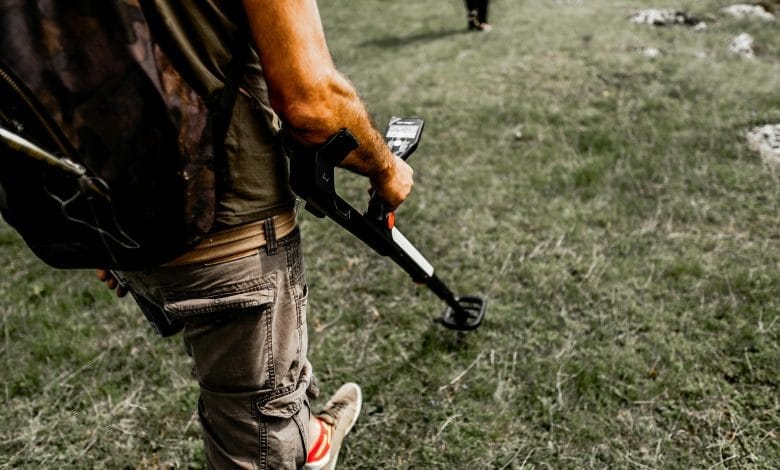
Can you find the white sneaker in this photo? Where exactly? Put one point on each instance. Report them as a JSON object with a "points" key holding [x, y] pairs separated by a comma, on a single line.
{"points": [[335, 421]]}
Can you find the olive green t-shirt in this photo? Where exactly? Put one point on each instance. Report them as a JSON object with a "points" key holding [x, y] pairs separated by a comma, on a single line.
{"points": [[201, 37]]}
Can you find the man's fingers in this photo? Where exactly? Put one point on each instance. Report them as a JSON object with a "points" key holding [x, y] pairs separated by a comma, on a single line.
{"points": [[111, 282], [397, 185], [121, 291]]}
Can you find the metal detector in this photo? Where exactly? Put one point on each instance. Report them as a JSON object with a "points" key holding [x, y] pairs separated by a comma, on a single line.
{"points": [[312, 178]]}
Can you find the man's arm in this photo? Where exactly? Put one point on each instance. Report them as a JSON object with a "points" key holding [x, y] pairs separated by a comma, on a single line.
{"points": [[313, 99]]}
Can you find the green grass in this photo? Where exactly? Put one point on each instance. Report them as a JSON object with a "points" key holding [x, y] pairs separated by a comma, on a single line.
{"points": [[604, 202]]}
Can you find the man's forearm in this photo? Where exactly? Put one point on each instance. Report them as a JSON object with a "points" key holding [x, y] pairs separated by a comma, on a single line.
{"points": [[313, 99], [341, 107]]}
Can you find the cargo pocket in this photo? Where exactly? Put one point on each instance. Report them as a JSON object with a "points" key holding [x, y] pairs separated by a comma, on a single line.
{"points": [[250, 294], [284, 417]]}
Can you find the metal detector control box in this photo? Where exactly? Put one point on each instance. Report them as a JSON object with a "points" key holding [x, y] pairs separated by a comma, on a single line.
{"points": [[403, 135], [312, 178]]}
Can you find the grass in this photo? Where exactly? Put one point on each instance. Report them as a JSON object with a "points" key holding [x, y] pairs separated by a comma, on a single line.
{"points": [[604, 202]]}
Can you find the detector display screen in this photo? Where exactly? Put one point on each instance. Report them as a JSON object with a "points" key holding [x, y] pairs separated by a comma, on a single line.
{"points": [[403, 135], [402, 132]]}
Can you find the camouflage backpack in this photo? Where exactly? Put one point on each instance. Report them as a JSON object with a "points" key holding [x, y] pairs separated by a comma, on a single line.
{"points": [[106, 153]]}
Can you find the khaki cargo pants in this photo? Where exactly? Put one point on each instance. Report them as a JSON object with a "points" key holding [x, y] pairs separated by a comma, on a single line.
{"points": [[245, 328]]}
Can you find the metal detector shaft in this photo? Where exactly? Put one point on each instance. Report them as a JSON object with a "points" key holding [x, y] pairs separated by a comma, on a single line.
{"points": [[312, 178]]}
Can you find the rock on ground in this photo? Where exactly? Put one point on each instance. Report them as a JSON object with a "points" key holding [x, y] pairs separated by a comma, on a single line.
{"points": [[766, 141], [663, 17], [747, 11], [742, 45]]}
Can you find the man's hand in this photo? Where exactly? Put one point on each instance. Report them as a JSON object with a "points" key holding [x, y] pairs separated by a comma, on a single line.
{"points": [[394, 183], [111, 282]]}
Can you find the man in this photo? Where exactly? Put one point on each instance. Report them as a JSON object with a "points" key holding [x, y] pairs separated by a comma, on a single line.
{"points": [[241, 294]]}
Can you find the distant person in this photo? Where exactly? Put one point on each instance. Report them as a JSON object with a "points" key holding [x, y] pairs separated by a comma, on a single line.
{"points": [[477, 15]]}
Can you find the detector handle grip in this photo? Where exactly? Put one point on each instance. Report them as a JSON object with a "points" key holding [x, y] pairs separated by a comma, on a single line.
{"points": [[402, 136]]}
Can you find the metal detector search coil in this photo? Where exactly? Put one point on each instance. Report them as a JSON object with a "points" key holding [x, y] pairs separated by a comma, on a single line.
{"points": [[312, 179]]}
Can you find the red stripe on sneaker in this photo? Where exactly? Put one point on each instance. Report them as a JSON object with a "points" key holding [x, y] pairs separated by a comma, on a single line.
{"points": [[321, 446]]}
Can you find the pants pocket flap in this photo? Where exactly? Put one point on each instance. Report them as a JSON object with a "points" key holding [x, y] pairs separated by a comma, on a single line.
{"points": [[281, 403], [201, 304]]}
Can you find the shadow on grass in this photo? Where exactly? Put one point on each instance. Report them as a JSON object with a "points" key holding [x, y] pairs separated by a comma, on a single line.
{"points": [[395, 41], [439, 339]]}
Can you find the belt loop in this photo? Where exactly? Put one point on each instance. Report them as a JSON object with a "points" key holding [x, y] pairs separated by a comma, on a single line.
{"points": [[270, 236]]}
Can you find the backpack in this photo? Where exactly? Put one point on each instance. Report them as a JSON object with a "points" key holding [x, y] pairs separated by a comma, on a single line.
{"points": [[107, 155]]}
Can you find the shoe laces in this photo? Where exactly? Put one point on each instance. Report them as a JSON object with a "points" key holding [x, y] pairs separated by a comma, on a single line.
{"points": [[334, 410]]}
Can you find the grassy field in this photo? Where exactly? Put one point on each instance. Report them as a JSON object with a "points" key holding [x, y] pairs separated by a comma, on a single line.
{"points": [[605, 203]]}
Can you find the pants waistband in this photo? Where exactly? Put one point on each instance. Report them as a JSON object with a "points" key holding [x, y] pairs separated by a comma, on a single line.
{"points": [[236, 242]]}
